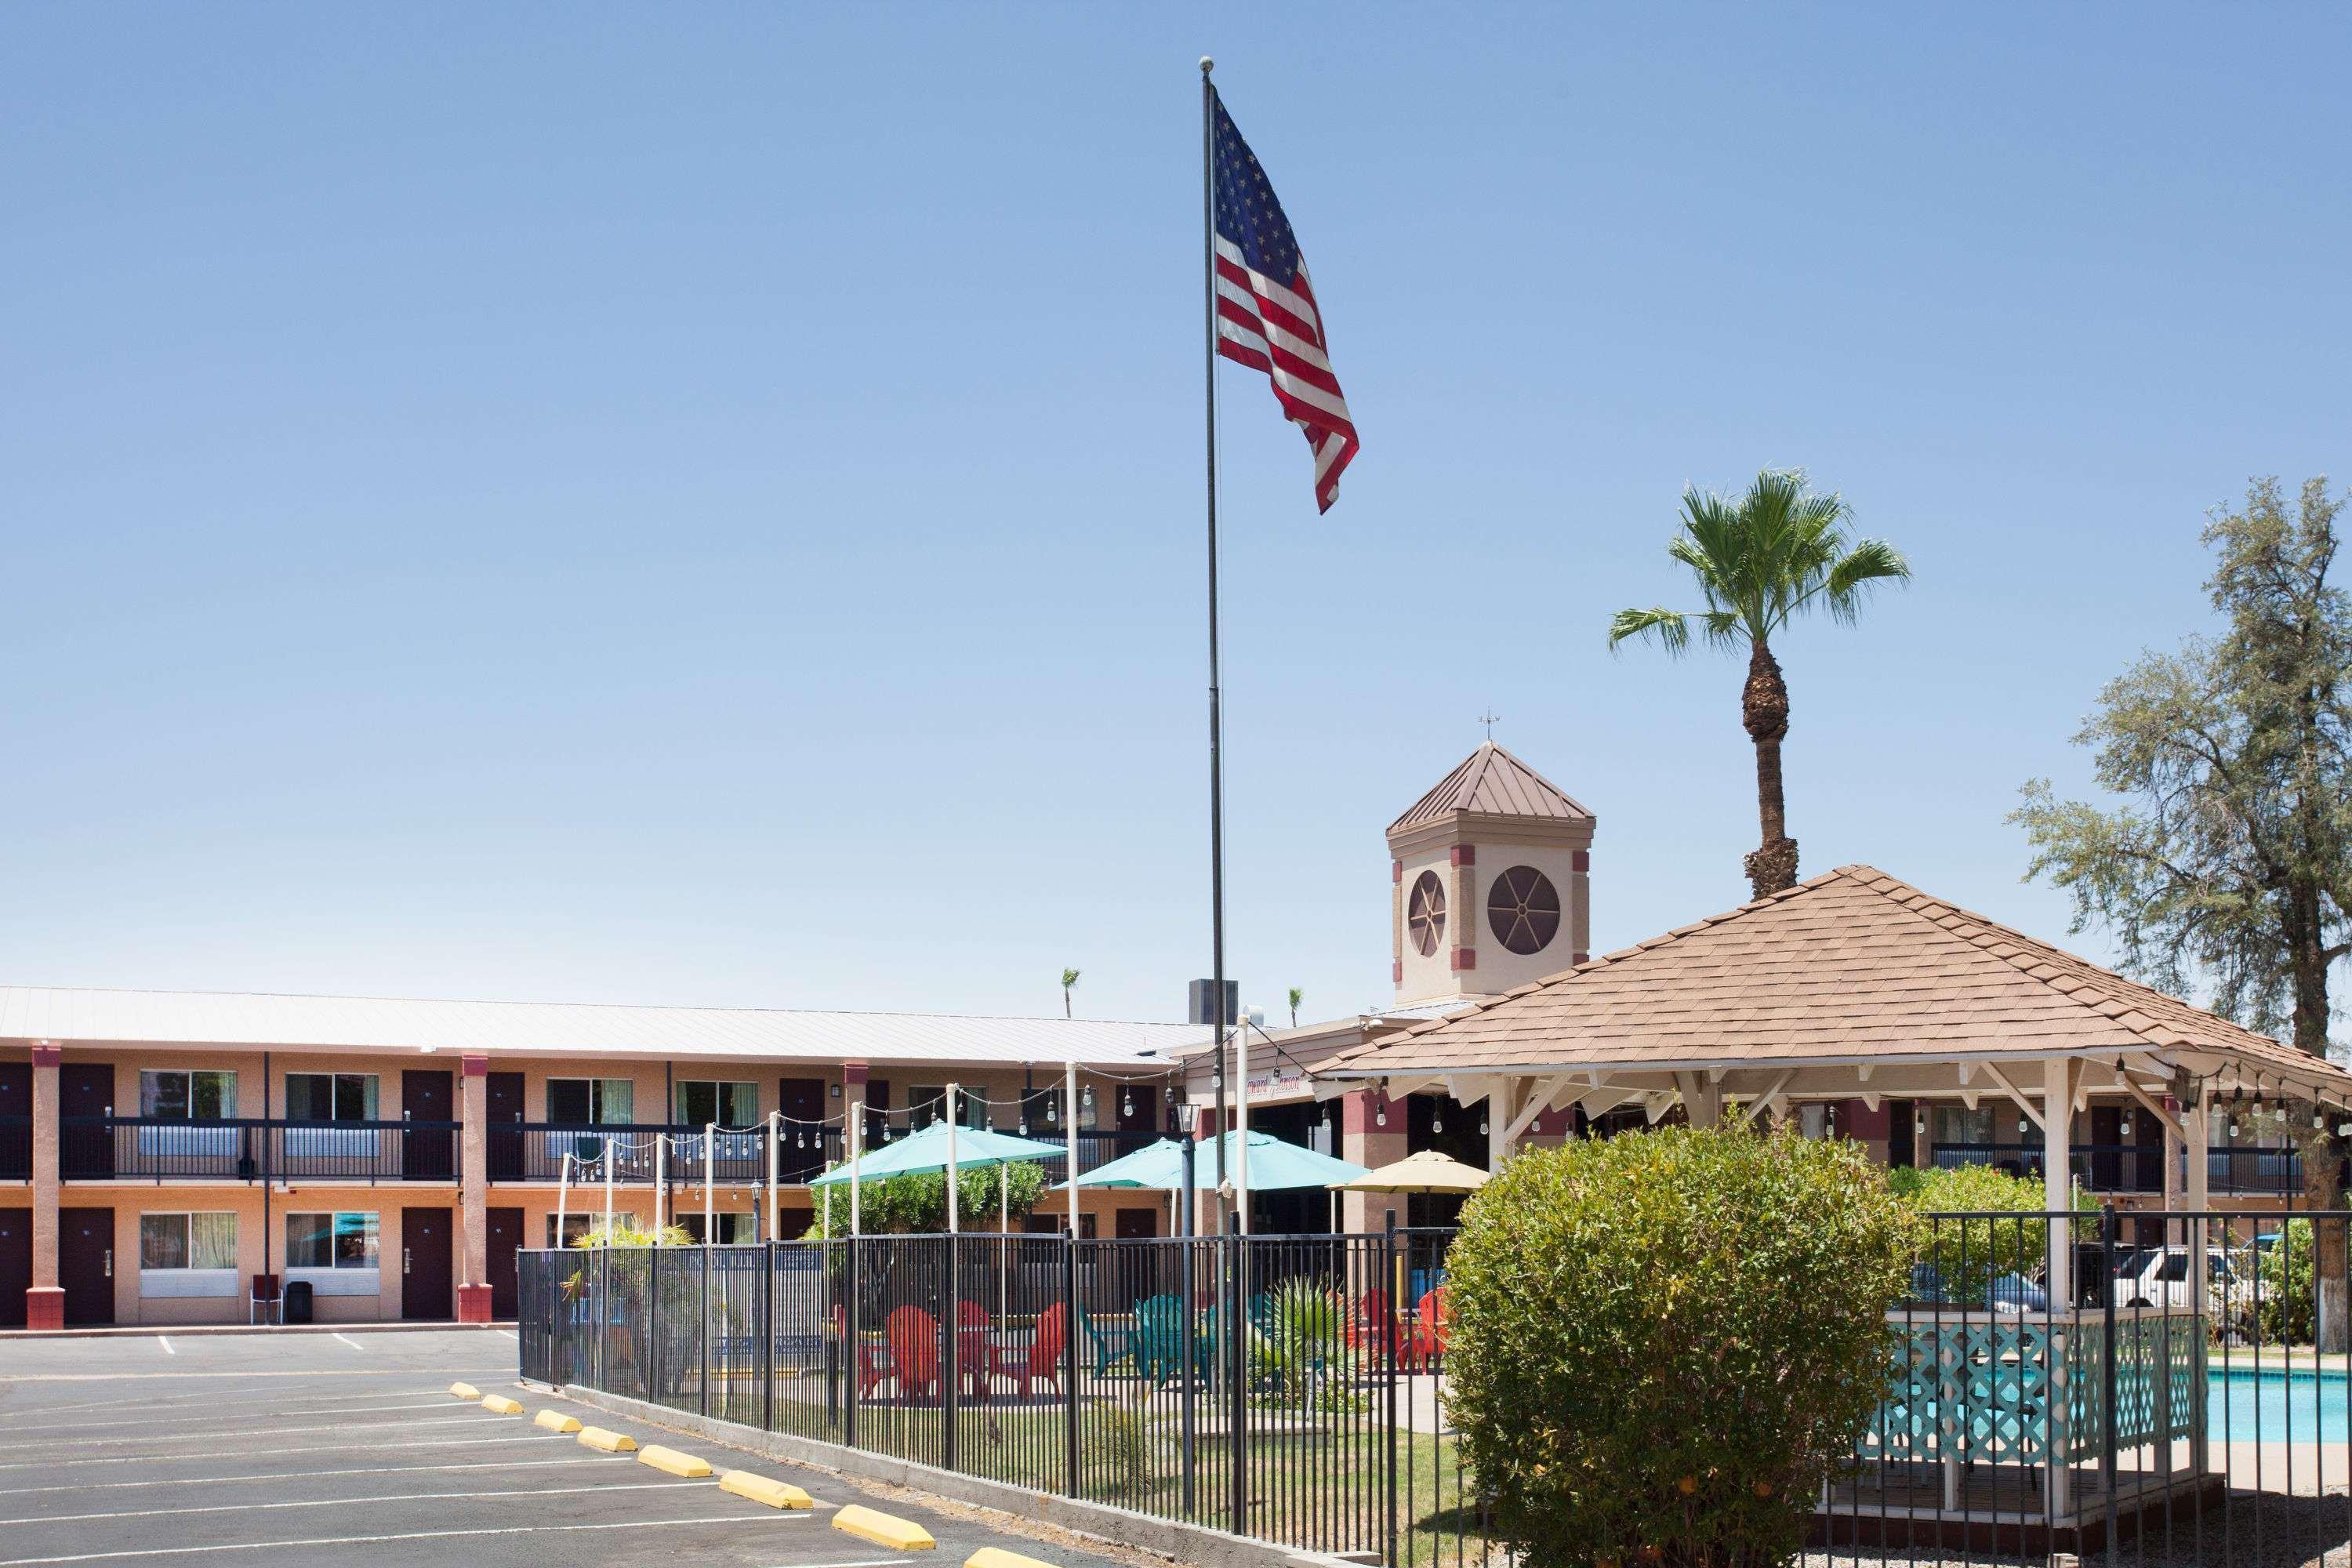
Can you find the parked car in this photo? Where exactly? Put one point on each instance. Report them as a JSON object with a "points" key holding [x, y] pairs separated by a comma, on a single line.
{"points": [[2158, 1277]]}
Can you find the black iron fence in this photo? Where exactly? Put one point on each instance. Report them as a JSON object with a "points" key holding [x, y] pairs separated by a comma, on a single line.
{"points": [[2055, 1383], [15, 1148], [2136, 1167]]}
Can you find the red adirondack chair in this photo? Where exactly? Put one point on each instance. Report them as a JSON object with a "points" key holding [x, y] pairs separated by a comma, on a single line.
{"points": [[913, 1336], [873, 1360], [1040, 1360], [971, 1347], [1431, 1326], [1371, 1325]]}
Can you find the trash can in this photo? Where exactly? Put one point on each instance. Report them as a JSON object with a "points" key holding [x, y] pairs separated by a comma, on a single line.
{"points": [[297, 1302]]}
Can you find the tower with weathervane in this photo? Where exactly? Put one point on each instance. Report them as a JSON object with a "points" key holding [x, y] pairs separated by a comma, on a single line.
{"points": [[1491, 871]]}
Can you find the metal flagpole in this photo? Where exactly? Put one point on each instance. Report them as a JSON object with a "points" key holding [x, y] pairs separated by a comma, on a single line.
{"points": [[1216, 717]]}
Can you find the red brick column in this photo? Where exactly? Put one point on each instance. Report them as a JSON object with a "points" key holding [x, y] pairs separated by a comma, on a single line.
{"points": [[1366, 1140], [473, 1190], [45, 1302]]}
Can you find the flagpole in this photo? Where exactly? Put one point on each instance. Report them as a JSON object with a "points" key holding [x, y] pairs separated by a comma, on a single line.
{"points": [[1216, 715]]}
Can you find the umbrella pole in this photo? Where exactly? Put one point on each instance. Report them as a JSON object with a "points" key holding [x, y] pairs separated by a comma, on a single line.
{"points": [[1070, 1138], [951, 1158]]}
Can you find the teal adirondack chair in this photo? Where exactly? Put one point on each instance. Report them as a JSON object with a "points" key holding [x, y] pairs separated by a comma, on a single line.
{"points": [[1110, 1346], [1160, 1338]]}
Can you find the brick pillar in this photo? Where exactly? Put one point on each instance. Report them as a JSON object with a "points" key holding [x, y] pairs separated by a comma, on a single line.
{"points": [[473, 1190], [1461, 916], [1363, 1140], [45, 1304]]}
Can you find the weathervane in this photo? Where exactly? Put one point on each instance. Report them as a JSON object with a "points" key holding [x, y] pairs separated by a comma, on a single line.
{"points": [[1490, 719]]}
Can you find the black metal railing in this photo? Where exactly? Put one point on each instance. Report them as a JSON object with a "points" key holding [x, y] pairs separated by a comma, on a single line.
{"points": [[243, 1149], [15, 1148], [2135, 1167]]}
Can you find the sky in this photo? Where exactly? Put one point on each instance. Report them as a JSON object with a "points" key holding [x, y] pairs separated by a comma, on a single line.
{"points": [[704, 505]]}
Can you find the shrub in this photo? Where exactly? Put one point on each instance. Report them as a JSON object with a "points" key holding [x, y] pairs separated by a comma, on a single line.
{"points": [[1663, 1344], [2285, 1316], [1960, 1259], [917, 1204]]}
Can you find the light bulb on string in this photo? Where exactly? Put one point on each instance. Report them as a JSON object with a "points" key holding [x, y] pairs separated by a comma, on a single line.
{"points": [[1437, 1122], [1126, 1104]]}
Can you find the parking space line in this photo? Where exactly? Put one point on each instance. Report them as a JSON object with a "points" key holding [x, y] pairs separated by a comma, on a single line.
{"points": [[350, 1341], [166, 1341], [302, 1475], [213, 1436], [314, 1541], [215, 1416], [346, 1502], [527, 1436]]}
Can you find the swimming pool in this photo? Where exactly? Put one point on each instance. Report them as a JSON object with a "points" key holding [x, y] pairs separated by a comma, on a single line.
{"points": [[2277, 1405]]}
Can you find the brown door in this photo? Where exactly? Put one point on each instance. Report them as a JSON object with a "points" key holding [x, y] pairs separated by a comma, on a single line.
{"points": [[2107, 1171], [425, 1153], [801, 1101], [16, 1123], [16, 1265], [503, 1230], [425, 1263], [86, 1266], [85, 1094], [1136, 1225], [502, 1101], [1138, 1108]]}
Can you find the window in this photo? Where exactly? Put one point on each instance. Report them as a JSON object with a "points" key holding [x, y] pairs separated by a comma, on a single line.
{"points": [[331, 1096], [729, 1104], [331, 1241], [1958, 1124], [1813, 1120], [187, 1241], [732, 1229], [576, 1225], [591, 1101], [1523, 909], [1425, 914], [177, 1096]]}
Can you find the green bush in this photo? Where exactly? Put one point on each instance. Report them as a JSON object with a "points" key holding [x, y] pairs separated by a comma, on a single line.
{"points": [[917, 1204], [1664, 1343], [2285, 1315], [1961, 1258]]}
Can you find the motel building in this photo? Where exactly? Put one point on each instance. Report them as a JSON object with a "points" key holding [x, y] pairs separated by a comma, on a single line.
{"points": [[182, 1157]]}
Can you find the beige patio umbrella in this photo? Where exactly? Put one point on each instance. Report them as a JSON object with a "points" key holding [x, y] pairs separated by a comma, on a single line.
{"points": [[1427, 1171]]}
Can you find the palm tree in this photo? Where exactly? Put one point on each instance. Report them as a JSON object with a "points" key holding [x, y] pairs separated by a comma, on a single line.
{"points": [[1761, 561], [1296, 996], [1069, 978]]}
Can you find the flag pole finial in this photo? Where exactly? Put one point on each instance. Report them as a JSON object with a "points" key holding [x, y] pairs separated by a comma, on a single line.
{"points": [[1207, 65]]}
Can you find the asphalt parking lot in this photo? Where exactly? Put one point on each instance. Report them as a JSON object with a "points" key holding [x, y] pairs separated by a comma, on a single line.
{"points": [[349, 1448]]}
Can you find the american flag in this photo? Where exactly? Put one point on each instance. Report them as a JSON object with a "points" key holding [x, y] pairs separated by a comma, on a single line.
{"points": [[1266, 317]]}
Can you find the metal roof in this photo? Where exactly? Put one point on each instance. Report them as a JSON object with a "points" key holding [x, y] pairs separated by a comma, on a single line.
{"points": [[1492, 781], [70, 1014]]}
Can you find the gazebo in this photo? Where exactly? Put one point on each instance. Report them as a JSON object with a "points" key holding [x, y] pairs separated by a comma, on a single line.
{"points": [[1855, 987]]}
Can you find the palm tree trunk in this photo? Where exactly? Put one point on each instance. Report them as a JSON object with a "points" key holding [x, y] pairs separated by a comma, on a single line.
{"points": [[1764, 713]]}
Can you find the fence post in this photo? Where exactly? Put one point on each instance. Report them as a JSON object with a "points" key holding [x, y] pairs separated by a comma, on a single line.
{"points": [[950, 1392], [853, 1356], [702, 1325], [1236, 1331], [1070, 1357], [1188, 1247], [767, 1357], [1387, 1346], [2108, 1373], [651, 1371]]}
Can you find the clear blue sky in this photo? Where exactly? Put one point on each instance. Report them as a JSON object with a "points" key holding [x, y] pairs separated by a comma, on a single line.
{"points": [[702, 504]]}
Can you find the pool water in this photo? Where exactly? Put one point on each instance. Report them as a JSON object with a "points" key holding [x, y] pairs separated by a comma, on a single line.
{"points": [[2277, 1405]]}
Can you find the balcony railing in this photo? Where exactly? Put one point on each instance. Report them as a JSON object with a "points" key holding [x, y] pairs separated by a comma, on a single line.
{"points": [[147, 1148], [534, 1151], [15, 1148], [2135, 1167]]}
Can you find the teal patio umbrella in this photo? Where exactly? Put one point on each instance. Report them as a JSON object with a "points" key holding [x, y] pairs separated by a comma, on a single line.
{"points": [[1274, 1165], [927, 1151]]}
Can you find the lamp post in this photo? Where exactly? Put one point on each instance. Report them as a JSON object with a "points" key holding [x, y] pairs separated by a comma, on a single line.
{"points": [[1188, 1119]]}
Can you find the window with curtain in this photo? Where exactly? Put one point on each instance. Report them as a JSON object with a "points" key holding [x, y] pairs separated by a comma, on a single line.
{"points": [[701, 1102], [174, 1095], [591, 1101], [331, 1096], [330, 1240], [187, 1241]]}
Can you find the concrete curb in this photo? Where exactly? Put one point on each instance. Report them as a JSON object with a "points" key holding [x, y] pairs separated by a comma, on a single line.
{"points": [[208, 1331], [1187, 1543]]}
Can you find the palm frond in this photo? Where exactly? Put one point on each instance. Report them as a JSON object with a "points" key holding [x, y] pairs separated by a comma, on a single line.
{"points": [[1855, 573], [1670, 629]]}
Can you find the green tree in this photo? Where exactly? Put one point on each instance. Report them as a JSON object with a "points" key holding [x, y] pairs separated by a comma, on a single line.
{"points": [[917, 1204], [2229, 859], [1069, 981], [1761, 561]]}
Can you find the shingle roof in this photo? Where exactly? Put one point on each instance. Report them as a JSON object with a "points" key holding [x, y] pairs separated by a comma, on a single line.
{"points": [[1853, 965], [1492, 781], [29, 1013]]}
